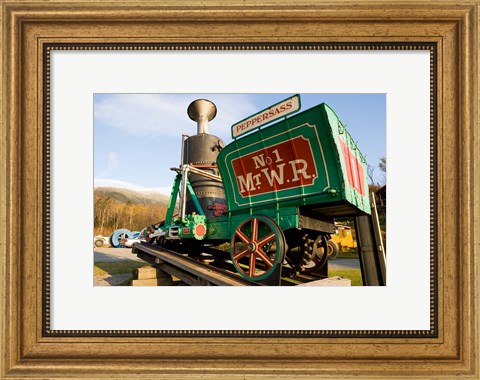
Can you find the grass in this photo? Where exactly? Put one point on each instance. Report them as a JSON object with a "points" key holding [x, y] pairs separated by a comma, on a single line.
{"points": [[353, 275], [351, 254], [117, 267]]}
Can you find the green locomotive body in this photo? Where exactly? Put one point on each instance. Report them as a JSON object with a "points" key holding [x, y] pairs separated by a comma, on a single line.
{"points": [[306, 160]]}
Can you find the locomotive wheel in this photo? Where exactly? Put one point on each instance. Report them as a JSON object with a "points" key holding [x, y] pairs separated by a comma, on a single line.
{"points": [[257, 246], [320, 254]]}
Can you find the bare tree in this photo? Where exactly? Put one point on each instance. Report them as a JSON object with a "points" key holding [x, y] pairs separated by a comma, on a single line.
{"points": [[370, 171], [383, 164]]}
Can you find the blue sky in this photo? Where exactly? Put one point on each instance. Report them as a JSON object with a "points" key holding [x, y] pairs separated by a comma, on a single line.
{"points": [[137, 137]]}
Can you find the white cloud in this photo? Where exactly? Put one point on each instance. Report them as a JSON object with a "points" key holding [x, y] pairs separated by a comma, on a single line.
{"points": [[111, 165], [103, 182], [166, 114]]}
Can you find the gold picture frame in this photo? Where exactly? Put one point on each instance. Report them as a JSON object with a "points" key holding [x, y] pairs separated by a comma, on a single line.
{"points": [[29, 26]]}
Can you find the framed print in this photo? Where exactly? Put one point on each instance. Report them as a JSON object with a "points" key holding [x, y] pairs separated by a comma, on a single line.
{"points": [[88, 81]]}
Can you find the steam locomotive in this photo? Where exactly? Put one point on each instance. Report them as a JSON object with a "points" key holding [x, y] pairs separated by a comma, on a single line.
{"points": [[272, 193]]}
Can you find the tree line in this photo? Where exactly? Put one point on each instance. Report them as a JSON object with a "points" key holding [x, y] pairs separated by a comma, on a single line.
{"points": [[111, 215], [382, 165]]}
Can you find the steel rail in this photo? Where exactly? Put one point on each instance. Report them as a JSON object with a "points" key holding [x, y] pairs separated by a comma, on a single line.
{"points": [[191, 267]]}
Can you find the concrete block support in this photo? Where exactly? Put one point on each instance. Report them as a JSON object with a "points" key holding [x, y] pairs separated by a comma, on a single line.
{"points": [[151, 276]]}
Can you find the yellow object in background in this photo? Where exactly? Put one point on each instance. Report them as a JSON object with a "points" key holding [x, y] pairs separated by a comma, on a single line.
{"points": [[344, 237]]}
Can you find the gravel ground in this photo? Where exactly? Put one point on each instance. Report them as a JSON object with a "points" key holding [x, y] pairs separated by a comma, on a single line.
{"points": [[102, 255], [344, 264]]}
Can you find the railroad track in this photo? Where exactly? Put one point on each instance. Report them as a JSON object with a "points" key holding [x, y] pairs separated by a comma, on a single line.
{"points": [[212, 267], [191, 271]]}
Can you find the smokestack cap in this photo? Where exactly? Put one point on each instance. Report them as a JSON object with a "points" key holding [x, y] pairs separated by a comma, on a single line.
{"points": [[200, 107], [202, 111]]}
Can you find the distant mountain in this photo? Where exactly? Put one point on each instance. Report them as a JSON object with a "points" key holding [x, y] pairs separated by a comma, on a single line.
{"points": [[135, 197]]}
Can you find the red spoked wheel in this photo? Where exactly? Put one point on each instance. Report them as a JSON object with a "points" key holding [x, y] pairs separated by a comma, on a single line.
{"points": [[257, 246]]}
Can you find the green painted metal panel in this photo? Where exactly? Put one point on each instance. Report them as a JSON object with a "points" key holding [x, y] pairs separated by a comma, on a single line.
{"points": [[352, 163], [173, 198], [301, 160], [223, 227]]}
